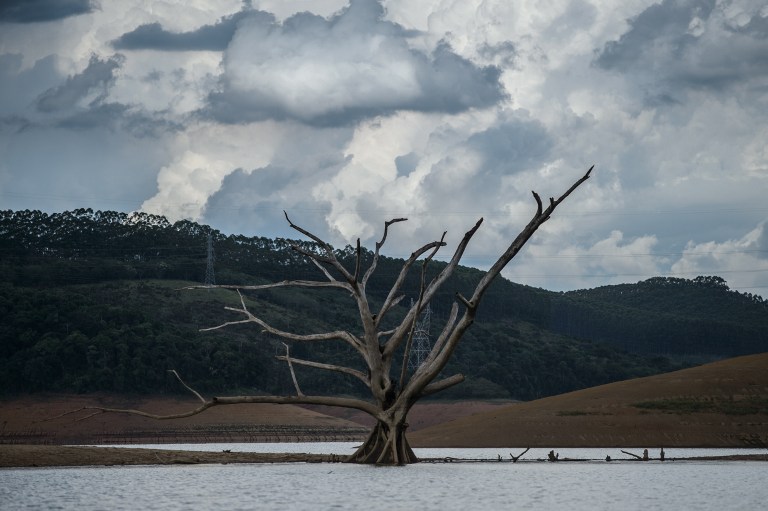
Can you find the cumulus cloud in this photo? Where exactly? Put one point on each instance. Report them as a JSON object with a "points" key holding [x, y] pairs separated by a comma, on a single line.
{"points": [[350, 66], [349, 113], [743, 262], [253, 199], [215, 37], [34, 11], [692, 44], [245, 176], [610, 260]]}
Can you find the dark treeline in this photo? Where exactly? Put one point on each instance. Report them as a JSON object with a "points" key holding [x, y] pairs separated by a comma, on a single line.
{"points": [[89, 301]]}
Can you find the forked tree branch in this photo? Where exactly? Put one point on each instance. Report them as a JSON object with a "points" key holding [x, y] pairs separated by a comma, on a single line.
{"points": [[379, 244], [250, 318], [394, 341], [356, 404], [330, 257], [393, 297], [428, 371]]}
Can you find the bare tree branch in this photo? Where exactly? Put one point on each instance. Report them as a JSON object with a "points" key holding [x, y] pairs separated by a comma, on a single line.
{"points": [[394, 341], [356, 404], [443, 384], [330, 367], [341, 402], [330, 256], [437, 347], [287, 358], [329, 336], [173, 371], [328, 248], [515, 458], [389, 302], [325, 271], [285, 283], [427, 372], [379, 244]]}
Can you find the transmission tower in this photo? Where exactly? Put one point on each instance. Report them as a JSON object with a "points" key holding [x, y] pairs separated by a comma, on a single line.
{"points": [[210, 278], [421, 345]]}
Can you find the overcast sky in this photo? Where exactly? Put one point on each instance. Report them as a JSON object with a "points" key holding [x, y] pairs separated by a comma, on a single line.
{"points": [[346, 114]]}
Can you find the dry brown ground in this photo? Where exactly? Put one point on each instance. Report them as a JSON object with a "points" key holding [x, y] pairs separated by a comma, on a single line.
{"points": [[67, 456], [604, 416], [37, 419], [597, 417]]}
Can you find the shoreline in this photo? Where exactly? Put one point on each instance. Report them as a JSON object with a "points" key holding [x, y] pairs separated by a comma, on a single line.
{"points": [[47, 456]]}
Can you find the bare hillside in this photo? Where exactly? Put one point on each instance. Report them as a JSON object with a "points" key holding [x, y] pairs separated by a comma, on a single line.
{"points": [[723, 404], [38, 419]]}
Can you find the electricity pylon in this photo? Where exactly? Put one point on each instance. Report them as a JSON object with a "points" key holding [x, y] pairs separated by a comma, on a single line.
{"points": [[421, 345]]}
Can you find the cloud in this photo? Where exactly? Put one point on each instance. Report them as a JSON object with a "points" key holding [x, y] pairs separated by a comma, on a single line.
{"points": [[547, 262], [253, 197], [20, 87], [34, 11], [216, 37], [442, 172], [692, 45], [40, 98], [92, 84], [347, 114], [743, 262], [229, 174], [351, 66]]}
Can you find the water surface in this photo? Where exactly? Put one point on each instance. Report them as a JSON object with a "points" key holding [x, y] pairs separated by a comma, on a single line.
{"points": [[485, 485]]}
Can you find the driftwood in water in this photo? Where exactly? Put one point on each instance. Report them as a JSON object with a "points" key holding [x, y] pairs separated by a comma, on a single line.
{"points": [[644, 457], [515, 458]]}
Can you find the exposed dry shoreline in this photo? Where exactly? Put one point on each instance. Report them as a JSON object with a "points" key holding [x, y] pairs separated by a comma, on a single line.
{"points": [[724, 405], [72, 456], [19, 456]]}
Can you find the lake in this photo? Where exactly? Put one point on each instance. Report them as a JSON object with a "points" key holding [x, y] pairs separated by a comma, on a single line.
{"points": [[491, 485]]}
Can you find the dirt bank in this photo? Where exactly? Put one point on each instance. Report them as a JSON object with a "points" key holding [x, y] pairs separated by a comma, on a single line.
{"points": [[70, 456]]}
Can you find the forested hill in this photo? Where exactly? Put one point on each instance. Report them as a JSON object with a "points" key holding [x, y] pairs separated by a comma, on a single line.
{"points": [[89, 301], [667, 315]]}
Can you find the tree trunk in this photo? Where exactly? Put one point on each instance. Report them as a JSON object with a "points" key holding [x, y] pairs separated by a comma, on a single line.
{"points": [[386, 445]]}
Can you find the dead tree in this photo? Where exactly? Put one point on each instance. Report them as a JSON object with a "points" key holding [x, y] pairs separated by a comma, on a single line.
{"points": [[393, 391]]}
